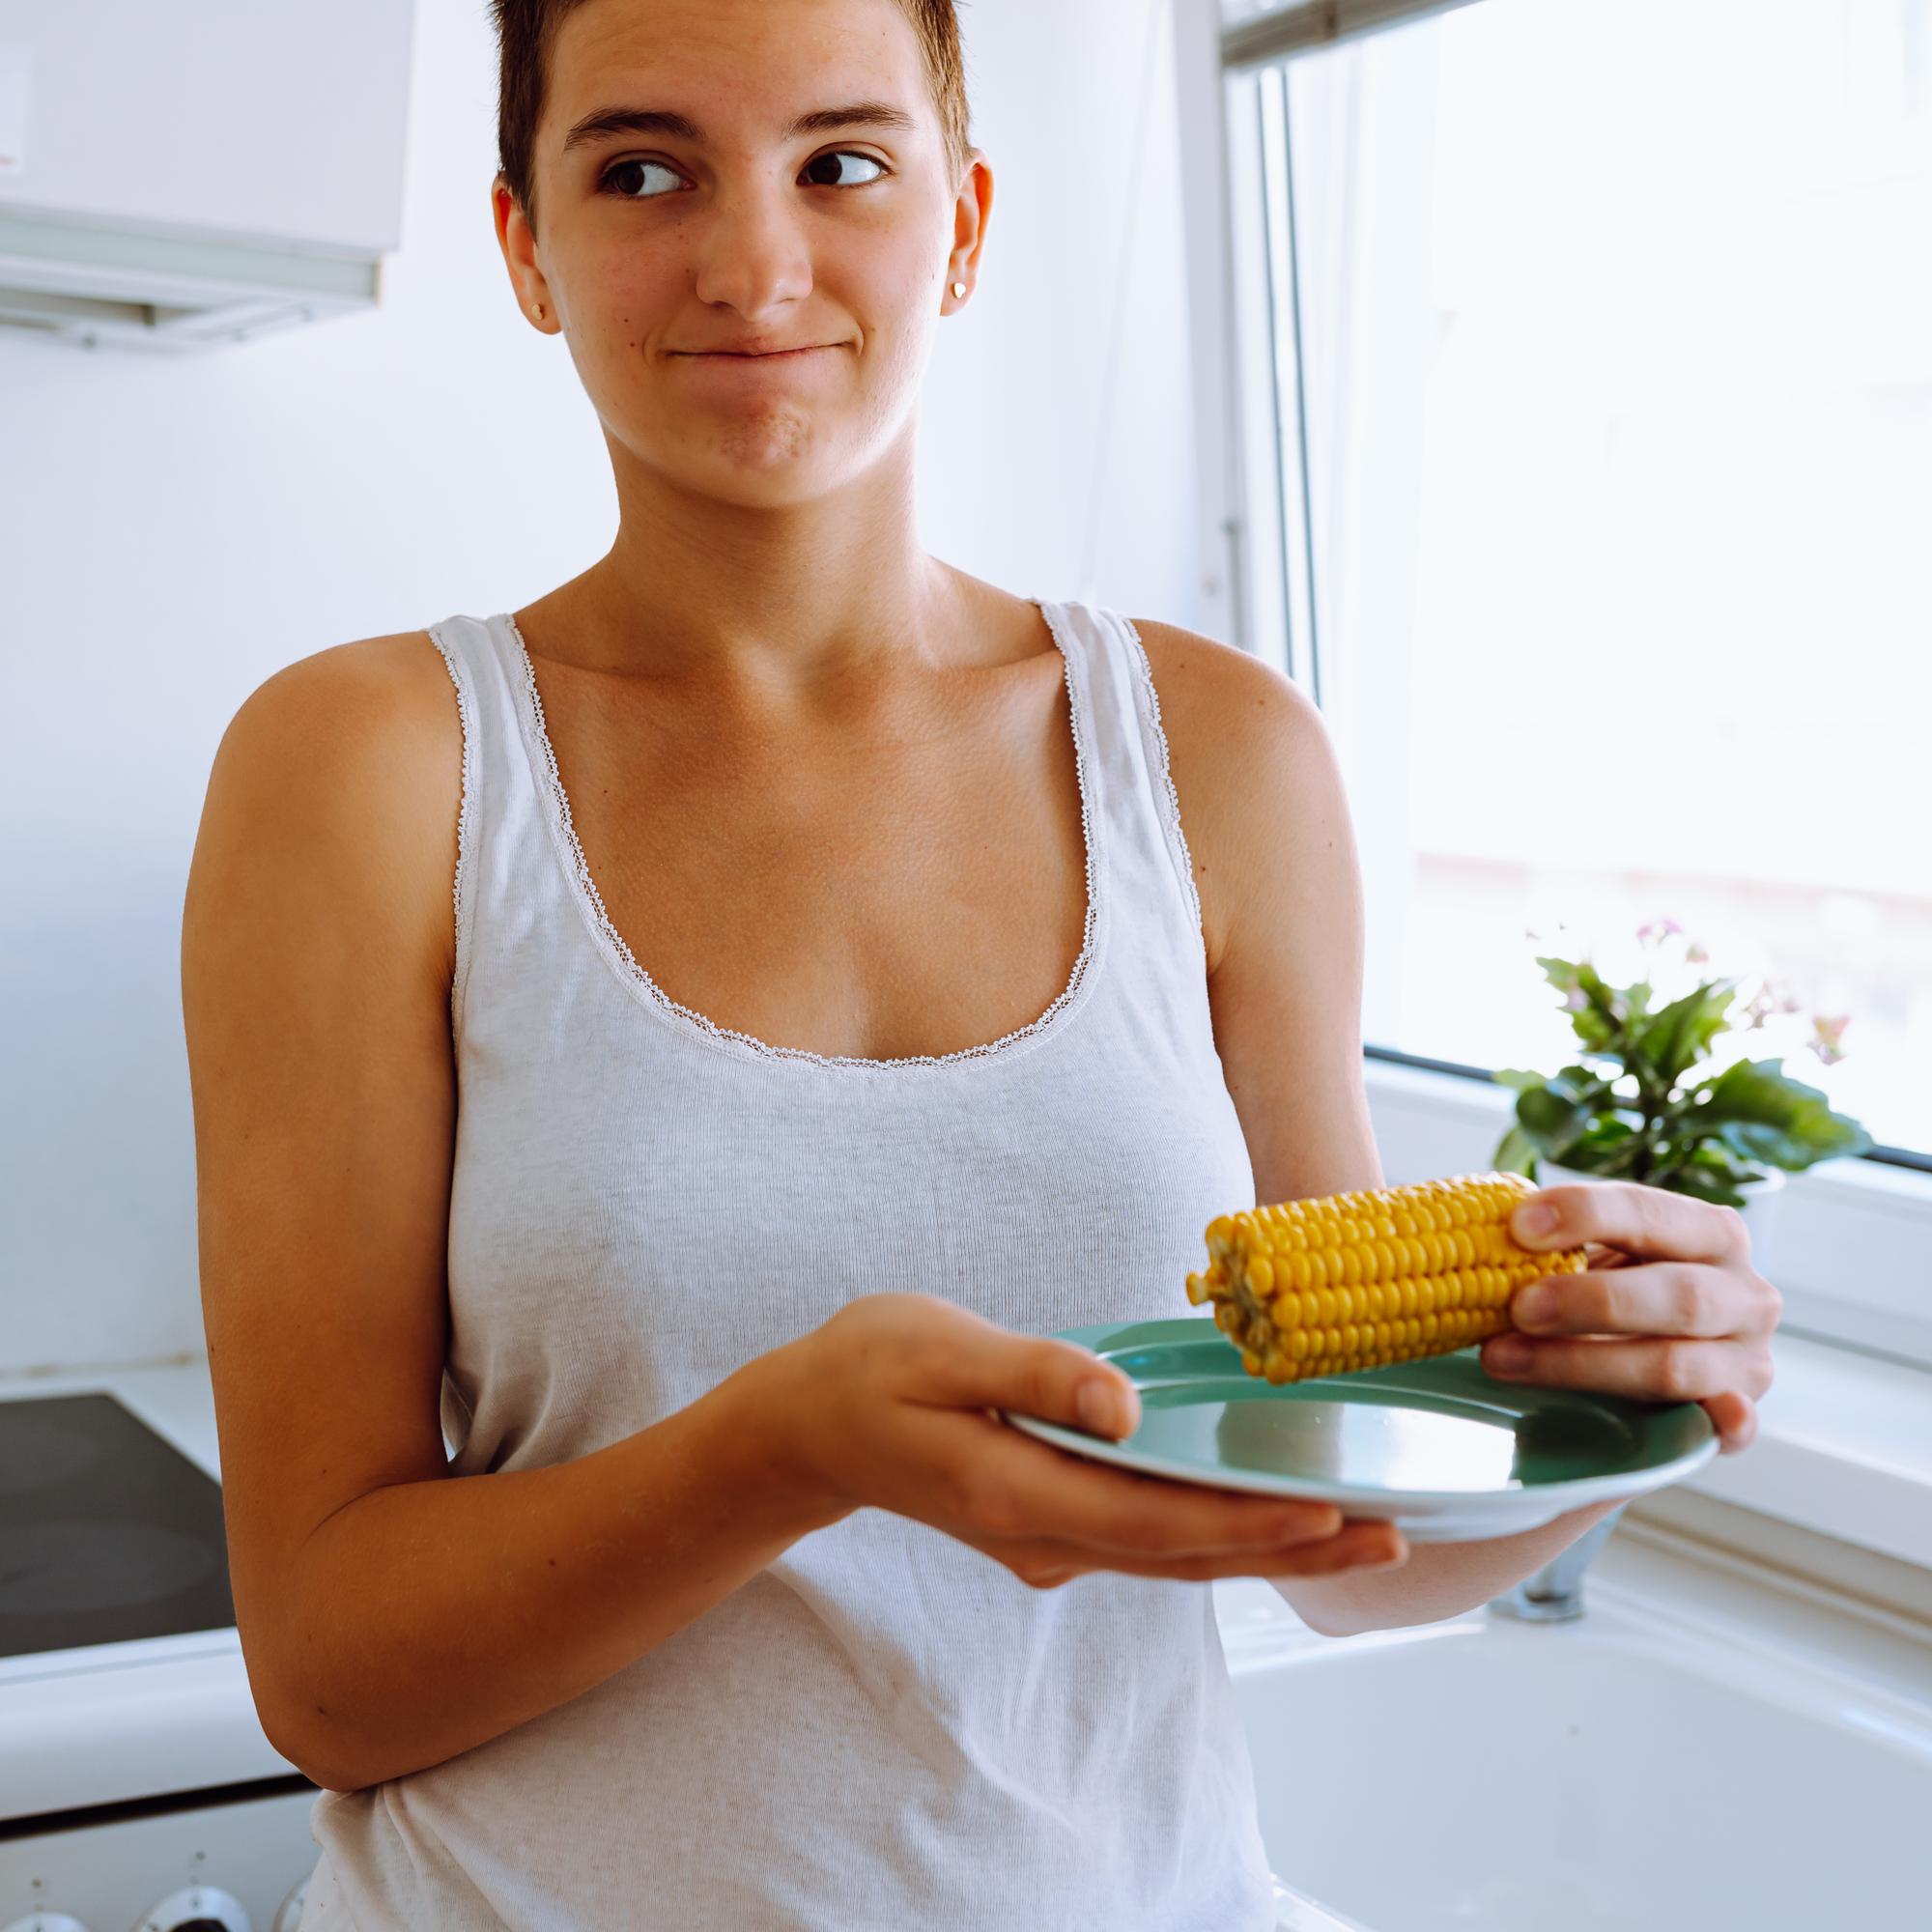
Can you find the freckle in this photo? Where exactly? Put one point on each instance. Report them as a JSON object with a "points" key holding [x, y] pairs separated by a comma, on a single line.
{"points": [[320, 1712]]}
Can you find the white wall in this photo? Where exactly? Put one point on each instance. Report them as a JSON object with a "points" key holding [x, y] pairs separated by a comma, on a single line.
{"points": [[173, 532]]}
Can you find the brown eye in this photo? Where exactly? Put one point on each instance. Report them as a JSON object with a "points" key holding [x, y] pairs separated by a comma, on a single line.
{"points": [[615, 178], [848, 154]]}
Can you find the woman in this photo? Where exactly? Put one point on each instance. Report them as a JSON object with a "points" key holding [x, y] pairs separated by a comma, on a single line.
{"points": [[787, 1134]]}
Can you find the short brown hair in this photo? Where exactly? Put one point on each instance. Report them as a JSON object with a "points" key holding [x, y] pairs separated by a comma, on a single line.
{"points": [[527, 31]]}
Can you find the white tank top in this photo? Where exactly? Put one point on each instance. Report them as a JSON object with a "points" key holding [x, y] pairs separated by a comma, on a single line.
{"points": [[885, 1728]]}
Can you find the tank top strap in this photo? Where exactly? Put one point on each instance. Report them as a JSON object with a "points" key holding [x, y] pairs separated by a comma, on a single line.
{"points": [[1148, 864], [504, 864]]}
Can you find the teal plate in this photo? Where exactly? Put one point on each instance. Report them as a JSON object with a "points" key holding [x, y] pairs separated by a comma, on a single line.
{"points": [[1434, 1446]]}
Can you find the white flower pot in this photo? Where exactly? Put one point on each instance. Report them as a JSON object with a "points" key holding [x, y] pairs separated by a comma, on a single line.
{"points": [[1759, 1209]]}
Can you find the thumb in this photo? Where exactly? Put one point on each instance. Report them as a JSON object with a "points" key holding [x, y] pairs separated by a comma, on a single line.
{"points": [[1062, 1382], [991, 1368], [1736, 1417]]}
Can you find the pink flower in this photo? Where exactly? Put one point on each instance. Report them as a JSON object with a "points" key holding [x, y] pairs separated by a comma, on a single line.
{"points": [[1695, 953], [1656, 931], [1770, 998], [1828, 1030]]}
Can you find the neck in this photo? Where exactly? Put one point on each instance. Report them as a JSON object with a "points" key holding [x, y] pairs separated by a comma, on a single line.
{"points": [[815, 605]]}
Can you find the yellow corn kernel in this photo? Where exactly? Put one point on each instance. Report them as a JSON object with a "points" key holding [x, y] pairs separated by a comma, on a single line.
{"points": [[1386, 1274]]}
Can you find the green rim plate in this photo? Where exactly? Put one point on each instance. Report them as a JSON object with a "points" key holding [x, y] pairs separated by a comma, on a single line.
{"points": [[1435, 1446]]}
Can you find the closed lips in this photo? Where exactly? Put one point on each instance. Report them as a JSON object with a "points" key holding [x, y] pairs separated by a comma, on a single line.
{"points": [[757, 354]]}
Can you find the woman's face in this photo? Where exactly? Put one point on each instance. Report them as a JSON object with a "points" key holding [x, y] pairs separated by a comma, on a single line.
{"points": [[676, 256]]}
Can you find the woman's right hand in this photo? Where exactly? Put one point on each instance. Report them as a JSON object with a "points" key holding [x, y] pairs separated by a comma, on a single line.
{"points": [[889, 1405]]}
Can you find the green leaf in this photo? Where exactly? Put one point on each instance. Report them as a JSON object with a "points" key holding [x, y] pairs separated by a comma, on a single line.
{"points": [[1586, 1085], [1609, 1147], [1607, 1011], [1560, 972], [1556, 1113], [1705, 1171], [1515, 1153], [1597, 1024], [1519, 1077], [1760, 1114], [1676, 1036], [1701, 1185]]}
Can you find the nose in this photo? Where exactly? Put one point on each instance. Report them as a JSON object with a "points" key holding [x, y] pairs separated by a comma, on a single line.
{"points": [[751, 253]]}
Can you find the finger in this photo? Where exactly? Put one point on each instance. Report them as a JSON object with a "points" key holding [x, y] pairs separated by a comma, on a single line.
{"points": [[1360, 1546], [1021, 1486], [1597, 1256], [1639, 1220], [1655, 1369], [1667, 1298], [1736, 1418]]}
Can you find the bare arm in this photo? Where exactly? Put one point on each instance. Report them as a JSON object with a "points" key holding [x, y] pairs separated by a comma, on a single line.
{"points": [[1262, 791], [427, 1618], [1439, 1579], [393, 1615]]}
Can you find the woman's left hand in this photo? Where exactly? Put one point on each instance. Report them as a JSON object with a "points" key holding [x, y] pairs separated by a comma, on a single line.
{"points": [[1669, 1308]]}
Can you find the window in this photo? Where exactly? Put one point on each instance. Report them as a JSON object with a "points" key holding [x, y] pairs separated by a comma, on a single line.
{"points": [[1591, 347]]}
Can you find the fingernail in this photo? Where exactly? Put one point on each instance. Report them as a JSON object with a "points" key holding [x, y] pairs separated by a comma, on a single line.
{"points": [[1507, 1355], [1102, 1410], [1539, 1218], [1532, 1305], [1389, 1561]]}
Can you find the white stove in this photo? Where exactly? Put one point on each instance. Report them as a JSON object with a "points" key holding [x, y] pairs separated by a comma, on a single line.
{"points": [[138, 1790]]}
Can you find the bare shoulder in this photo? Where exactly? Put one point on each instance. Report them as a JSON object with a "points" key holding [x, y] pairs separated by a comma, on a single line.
{"points": [[1239, 733], [1216, 684], [379, 713], [378, 710], [397, 682], [360, 742]]}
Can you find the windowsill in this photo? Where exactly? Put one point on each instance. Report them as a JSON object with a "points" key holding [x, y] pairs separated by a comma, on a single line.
{"points": [[1843, 1447], [1844, 1441]]}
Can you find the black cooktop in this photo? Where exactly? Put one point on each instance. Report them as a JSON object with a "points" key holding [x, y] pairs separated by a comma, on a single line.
{"points": [[107, 1532]]}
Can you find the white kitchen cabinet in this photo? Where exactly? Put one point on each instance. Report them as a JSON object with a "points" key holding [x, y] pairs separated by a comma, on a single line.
{"points": [[178, 176]]}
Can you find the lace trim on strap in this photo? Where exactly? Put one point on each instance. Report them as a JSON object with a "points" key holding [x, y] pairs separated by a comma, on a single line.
{"points": [[466, 719], [560, 799], [1170, 803]]}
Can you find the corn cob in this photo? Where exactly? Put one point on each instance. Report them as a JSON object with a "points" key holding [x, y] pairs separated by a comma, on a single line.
{"points": [[1383, 1274]]}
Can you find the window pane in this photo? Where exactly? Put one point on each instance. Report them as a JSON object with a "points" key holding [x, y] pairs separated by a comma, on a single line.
{"points": [[1616, 332]]}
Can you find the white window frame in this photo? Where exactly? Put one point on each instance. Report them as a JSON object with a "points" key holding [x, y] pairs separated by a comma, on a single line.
{"points": [[1855, 1233], [1842, 1449]]}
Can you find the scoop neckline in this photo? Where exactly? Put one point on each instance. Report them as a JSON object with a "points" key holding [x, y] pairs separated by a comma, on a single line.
{"points": [[634, 977]]}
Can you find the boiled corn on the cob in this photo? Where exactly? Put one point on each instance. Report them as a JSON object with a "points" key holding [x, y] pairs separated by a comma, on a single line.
{"points": [[1383, 1274]]}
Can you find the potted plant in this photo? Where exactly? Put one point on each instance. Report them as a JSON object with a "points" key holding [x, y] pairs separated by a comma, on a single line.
{"points": [[1642, 1113]]}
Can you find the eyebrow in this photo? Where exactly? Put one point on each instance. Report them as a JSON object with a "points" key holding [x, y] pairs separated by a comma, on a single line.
{"points": [[611, 120]]}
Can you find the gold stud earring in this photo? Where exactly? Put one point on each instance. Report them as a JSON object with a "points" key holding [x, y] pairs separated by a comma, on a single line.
{"points": [[959, 289], [537, 308]]}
